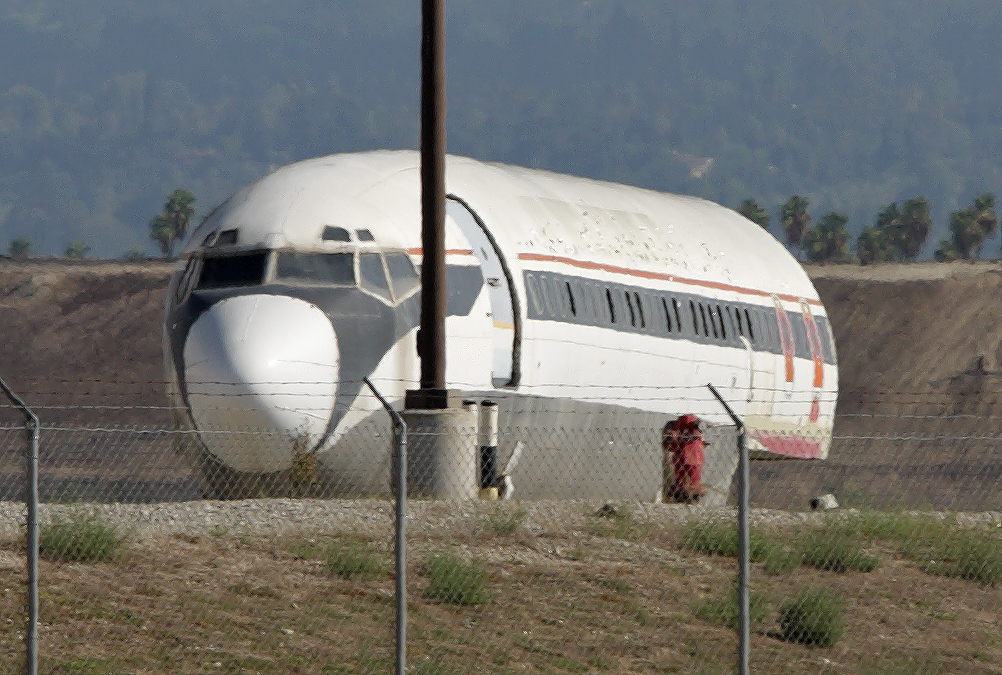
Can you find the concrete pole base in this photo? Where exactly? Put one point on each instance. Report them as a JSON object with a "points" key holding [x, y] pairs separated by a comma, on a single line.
{"points": [[442, 453]]}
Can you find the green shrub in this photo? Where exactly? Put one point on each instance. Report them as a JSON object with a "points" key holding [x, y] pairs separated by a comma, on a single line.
{"points": [[712, 537], [453, 580], [724, 612], [970, 555], [816, 617], [353, 559], [781, 562], [837, 549], [504, 521], [719, 537], [82, 537]]}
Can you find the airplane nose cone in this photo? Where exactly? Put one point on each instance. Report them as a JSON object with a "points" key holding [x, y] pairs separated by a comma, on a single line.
{"points": [[261, 371]]}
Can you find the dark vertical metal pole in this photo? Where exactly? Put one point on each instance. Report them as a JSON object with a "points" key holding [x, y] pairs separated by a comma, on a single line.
{"points": [[744, 558], [400, 523], [31, 500], [431, 338], [31, 634]]}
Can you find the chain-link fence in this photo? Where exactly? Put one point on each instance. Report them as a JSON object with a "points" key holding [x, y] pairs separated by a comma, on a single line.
{"points": [[593, 562]]}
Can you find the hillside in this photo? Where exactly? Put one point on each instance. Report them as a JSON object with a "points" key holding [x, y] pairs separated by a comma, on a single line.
{"points": [[908, 339], [852, 107]]}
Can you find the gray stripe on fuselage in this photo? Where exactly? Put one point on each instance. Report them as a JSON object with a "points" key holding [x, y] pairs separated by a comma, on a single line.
{"points": [[638, 309]]}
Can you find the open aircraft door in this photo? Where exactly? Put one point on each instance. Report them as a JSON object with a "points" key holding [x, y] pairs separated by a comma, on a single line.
{"points": [[786, 341], [506, 331]]}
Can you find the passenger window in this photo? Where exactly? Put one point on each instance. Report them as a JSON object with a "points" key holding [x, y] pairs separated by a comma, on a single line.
{"points": [[323, 268], [751, 332], [629, 305], [664, 303], [570, 298], [720, 320], [702, 314], [678, 315], [558, 298], [612, 310], [370, 268], [403, 276], [640, 309], [695, 319]]}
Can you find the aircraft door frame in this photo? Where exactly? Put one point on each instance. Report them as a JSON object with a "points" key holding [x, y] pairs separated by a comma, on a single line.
{"points": [[506, 332], [786, 340], [814, 340]]}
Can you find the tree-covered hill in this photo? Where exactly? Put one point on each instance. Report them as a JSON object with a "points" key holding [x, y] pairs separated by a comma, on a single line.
{"points": [[106, 106]]}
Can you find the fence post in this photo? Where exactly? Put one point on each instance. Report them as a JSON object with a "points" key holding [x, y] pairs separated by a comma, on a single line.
{"points": [[743, 555], [31, 543], [400, 481]]}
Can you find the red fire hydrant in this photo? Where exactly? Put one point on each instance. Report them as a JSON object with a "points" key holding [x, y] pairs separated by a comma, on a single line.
{"points": [[682, 445]]}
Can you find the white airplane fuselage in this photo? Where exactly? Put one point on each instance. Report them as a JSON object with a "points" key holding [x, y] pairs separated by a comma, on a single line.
{"points": [[590, 311]]}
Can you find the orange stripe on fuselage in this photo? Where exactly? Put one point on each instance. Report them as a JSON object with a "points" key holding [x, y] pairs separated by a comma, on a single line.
{"points": [[660, 276]]}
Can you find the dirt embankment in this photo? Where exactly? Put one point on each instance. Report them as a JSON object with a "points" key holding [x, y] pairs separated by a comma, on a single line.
{"points": [[83, 334], [919, 346]]}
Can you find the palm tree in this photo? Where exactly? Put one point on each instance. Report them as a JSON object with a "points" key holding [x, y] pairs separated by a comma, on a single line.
{"points": [[916, 223], [77, 249], [984, 215], [946, 251], [750, 209], [795, 219], [20, 247], [180, 209], [873, 245], [888, 225], [966, 233], [162, 232], [829, 240]]}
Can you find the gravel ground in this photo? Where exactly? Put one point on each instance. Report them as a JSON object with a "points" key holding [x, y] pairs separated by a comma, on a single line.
{"points": [[268, 517]]}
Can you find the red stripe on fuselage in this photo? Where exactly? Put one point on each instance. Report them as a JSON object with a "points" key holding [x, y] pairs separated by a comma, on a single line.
{"points": [[801, 447]]}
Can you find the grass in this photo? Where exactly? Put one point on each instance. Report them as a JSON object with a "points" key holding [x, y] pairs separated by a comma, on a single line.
{"points": [[354, 559], [85, 666], [723, 611], [815, 617], [843, 541], [504, 521], [720, 537], [905, 665], [452, 580], [82, 537], [278, 605], [971, 556], [939, 546], [348, 557], [617, 522], [836, 548]]}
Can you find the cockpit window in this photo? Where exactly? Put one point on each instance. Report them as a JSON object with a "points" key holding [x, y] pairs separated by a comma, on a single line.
{"points": [[370, 267], [403, 276], [332, 233], [246, 269], [324, 268]]}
